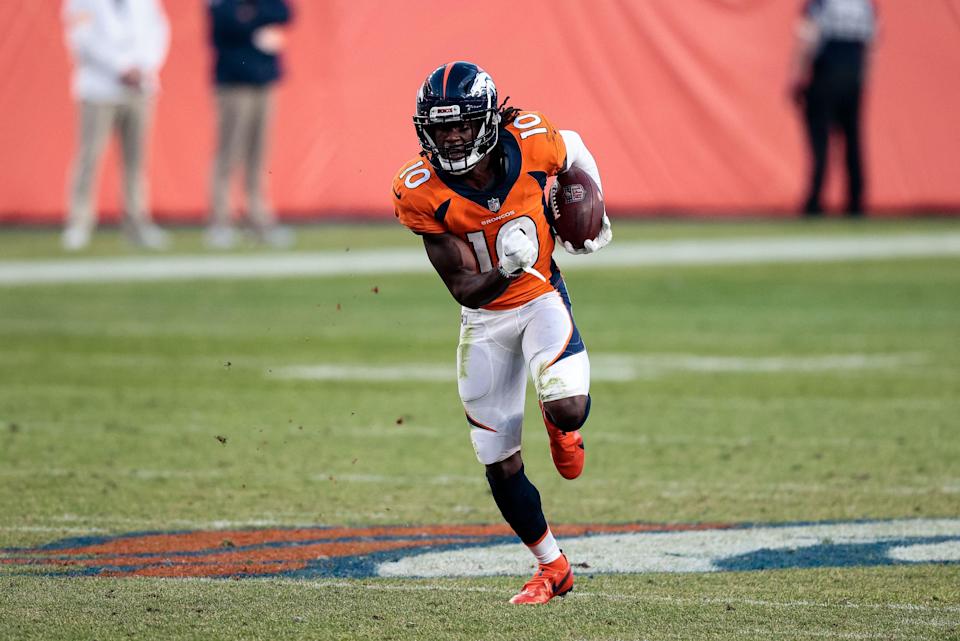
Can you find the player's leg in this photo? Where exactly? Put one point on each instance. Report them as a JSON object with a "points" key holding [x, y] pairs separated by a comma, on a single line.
{"points": [[492, 382], [230, 108], [560, 369], [817, 120], [519, 503], [133, 125], [848, 116], [261, 214], [569, 414], [94, 129]]}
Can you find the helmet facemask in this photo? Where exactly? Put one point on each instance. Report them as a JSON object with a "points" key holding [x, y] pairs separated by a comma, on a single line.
{"points": [[460, 158], [473, 102]]}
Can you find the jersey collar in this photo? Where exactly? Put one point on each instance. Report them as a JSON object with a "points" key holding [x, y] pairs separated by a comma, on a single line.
{"points": [[499, 190]]}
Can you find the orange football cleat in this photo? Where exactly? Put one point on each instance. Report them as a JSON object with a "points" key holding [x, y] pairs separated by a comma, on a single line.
{"points": [[552, 579], [566, 449]]}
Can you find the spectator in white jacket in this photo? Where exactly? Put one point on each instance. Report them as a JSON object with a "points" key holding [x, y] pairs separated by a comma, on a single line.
{"points": [[118, 48]]}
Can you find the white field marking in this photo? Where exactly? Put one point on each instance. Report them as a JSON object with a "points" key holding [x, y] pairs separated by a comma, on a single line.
{"points": [[67, 424], [52, 528], [144, 474], [607, 367], [820, 634], [118, 328], [630, 367], [414, 372], [779, 402], [144, 361], [467, 509], [784, 487], [735, 441], [323, 476], [748, 493], [404, 432], [662, 487], [723, 251], [280, 520], [440, 479], [687, 551], [946, 551], [360, 584], [111, 524]]}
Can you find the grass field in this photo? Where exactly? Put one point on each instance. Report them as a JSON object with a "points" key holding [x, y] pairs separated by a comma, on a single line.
{"points": [[762, 394]]}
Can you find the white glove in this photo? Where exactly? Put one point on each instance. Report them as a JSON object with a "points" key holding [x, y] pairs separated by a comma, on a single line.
{"points": [[517, 253], [598, 243]]}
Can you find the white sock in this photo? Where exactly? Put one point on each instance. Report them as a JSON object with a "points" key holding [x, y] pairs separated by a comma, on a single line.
{"points": [[546, 549]]}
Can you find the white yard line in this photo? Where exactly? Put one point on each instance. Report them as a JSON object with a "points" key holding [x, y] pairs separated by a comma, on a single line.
{"points": [[822, 634], [108, 523], [608, 367], [724, 251], [664, 487], [419, 372], [54, 528]]}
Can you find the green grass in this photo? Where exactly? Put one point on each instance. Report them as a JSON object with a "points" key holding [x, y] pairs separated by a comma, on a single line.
{"points": [[849, 603], [112, 398]]}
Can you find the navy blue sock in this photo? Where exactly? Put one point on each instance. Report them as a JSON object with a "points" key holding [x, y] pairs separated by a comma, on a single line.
{"points": [[519, 503]]}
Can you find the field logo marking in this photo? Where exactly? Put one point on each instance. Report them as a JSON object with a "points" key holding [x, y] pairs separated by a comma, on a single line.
{"points": [[484, 550]]}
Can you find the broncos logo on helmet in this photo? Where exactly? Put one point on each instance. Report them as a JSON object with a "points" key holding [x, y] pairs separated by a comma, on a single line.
{"points": [[453, 93]]}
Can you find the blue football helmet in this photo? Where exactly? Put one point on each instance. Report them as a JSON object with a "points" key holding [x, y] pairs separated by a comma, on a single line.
{"points": [[458, 92]]}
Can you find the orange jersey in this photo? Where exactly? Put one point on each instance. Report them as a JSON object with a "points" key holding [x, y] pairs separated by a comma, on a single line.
{"points": [[430, 203]]}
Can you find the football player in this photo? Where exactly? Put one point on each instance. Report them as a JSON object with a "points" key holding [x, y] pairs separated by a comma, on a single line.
{"points": [[475, 194]]}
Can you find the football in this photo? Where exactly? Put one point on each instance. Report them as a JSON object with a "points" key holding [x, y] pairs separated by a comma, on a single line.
{"points": [[577, 207]]}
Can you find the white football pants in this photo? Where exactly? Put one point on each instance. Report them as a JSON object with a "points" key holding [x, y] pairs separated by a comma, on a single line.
{"points": [[497, 350]]}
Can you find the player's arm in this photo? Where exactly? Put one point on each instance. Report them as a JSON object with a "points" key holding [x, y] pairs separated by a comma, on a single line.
{"points": [[453, 259], [158, 40], [580, 157], [457, 266], [79, 18], [801, 60]]}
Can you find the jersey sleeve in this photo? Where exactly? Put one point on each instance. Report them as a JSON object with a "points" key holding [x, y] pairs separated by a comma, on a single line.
{"points": [[543, 146], [413, 210]]}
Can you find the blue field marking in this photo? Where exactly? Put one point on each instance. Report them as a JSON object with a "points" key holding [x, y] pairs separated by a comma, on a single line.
{"points": [[833, 555], [445, 550]]}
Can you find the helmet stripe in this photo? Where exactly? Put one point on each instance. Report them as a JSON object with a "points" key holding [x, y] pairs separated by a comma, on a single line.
{"points": [[446, 75]]}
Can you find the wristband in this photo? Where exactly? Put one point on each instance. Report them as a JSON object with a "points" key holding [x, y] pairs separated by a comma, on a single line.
{"points": [[508, 275]]}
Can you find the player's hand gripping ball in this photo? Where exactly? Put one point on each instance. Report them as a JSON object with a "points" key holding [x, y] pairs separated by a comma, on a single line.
{"points": [[579, 215], [518, 252]]}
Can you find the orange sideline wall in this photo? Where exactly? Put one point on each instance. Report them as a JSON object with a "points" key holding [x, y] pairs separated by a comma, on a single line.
{"points": [[683, 102]]}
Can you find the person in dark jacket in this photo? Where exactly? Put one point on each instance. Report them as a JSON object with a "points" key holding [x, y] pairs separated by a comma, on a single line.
{"points": [[827, 82], [248, 38]]}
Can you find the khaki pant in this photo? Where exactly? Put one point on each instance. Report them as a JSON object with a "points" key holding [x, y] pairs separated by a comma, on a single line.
{"points": [[130, 119], [243, 119]]}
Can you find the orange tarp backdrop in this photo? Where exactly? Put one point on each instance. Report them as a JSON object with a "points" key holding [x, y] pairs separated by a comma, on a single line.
{"points": [[683, 102]]}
